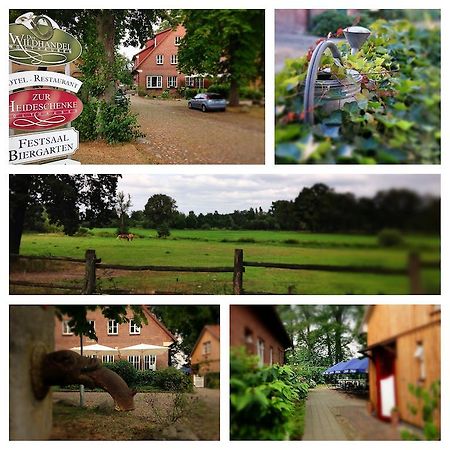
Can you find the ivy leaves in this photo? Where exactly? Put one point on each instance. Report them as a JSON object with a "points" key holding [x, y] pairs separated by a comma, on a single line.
{"points": [[396, 117]]}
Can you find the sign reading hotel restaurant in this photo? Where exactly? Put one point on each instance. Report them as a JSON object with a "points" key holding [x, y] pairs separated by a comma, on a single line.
{"points": [[43, 45], [27, 148], [33, 78], [40, 109]]}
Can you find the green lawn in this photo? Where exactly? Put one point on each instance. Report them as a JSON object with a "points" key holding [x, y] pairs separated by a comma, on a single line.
{"points": [[216, 248]]}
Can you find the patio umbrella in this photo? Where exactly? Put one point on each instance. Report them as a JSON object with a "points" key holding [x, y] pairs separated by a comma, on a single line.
{"points": [[357, 366], [95, 350], [337, 368], [143, 350]]}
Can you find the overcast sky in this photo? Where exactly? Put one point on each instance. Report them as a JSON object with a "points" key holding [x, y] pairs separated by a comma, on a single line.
{"points": [[225, 193]]}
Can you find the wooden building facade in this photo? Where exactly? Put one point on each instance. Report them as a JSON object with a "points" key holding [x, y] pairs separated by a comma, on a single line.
{"points": [[404, 347]]}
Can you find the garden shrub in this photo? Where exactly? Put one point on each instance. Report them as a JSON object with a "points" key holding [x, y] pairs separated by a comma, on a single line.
{"points": [[83, 232], [163, 231], [263, 400], [389, 237], [256, 95], [222, 89], [190, 93], [86, 123], [172, 379], [112, 122], [395, 118], [329, 21], [142, 92], [212, 380], [125, 369]]}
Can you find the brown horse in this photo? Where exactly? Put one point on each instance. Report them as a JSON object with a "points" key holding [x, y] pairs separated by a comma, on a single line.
{"points": [[128, 236]]}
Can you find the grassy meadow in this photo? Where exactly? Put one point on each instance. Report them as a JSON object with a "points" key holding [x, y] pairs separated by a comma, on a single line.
{"points": [[215, 248]]}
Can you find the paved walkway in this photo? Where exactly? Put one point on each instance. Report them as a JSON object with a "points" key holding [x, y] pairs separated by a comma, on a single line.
{"points": [[335, 416]]}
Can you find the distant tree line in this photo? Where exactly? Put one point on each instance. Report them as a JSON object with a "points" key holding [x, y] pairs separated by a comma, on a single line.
{"points": [[317, 209]]}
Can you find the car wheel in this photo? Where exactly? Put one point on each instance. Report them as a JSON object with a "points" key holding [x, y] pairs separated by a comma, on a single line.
{"points": [[203, 108], [189, 105]]}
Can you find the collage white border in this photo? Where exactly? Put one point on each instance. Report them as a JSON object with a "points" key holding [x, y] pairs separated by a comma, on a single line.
{"points": [[268, 168]]}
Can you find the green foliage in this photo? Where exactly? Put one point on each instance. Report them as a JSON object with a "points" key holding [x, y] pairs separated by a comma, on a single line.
{"points": [[262, 400], [253, 94], [332, 19], [125, 370], [222, 89], [235, 49], [169, 379], [395, 118], [430, 402], [163, 231], [117, 124], [389, 237], [189, 93], [86, 122], [159, 210], [212, 380]]}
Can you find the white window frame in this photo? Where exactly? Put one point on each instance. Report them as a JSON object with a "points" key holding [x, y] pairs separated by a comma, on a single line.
{"points": [[200, 81], [260, 350], [135, 360], [271, 356], [177, 40], [159, 60], [206, 348], [189, 81], [149, 362], [174, 59], [134, 329], [170, 81], [112, 327], [158, 83], [66, 330], [107, 358]]}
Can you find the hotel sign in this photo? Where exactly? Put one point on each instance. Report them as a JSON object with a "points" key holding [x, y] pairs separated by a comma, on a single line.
{"points": [[34, 78], [43, 46], [27, 148], [41, 109]]}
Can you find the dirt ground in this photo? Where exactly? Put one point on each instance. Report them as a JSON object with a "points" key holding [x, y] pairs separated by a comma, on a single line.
{"points": [[175, 134], [153, 419]]}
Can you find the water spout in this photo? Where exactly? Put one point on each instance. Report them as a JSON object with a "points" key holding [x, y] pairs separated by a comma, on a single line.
{"points": [[356, 36]]}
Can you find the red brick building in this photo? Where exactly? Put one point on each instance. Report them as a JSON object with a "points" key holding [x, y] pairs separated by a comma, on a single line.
{"points": [[156, 65], [259, 329], [118, 336], [206, 351]]}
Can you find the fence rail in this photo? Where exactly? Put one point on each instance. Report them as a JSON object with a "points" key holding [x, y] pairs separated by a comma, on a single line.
{"points": [[92, 263]]}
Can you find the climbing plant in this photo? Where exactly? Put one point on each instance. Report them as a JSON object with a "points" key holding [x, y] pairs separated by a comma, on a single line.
{"points": [[394, 119]]}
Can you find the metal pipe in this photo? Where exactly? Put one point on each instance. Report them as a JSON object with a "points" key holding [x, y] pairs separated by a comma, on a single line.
{"points": [[311, 77]]}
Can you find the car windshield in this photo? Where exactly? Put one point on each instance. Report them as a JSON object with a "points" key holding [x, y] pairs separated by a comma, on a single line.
{"points": [[215, 97]]}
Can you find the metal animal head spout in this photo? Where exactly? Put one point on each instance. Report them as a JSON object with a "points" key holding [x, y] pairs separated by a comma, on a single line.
{"points": [[67, 367], [356, 36]]}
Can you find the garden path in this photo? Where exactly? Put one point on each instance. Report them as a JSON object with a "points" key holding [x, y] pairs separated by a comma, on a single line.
{"points": [[333, 415]]}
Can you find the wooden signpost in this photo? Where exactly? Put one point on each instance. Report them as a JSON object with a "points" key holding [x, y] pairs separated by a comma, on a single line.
{"points": [[37, 41]]}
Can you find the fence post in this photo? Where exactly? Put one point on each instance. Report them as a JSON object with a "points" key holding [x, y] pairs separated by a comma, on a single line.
{"points": [[90, 276], [415, 285], [238, 271]]}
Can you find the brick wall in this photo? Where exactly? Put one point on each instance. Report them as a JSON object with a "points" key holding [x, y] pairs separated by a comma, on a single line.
{"points": [[151, 333], [211, 361], [244, 322]]}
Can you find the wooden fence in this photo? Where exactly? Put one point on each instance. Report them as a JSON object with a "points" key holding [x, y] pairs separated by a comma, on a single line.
{"points": [[92, 263]]}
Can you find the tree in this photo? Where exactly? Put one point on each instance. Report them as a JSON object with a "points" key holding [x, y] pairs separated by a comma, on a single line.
{"points": [[103, 30], [159, 209], [68, 200], [187, 321], [224, 43], [122, 206]]}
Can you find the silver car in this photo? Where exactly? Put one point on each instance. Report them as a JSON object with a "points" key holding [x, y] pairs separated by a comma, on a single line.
{"points": [[208, 101]]}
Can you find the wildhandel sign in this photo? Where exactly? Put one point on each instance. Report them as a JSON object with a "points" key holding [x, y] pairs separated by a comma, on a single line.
{"points": [[41, 44], [34, 147], [40, 109]]}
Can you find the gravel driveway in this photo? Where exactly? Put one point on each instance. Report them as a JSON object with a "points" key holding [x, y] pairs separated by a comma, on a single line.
{"points": [[176, 135]]}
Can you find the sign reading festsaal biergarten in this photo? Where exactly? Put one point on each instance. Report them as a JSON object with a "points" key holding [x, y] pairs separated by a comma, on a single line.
{"points": [[37, 41], [41, 109]]}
